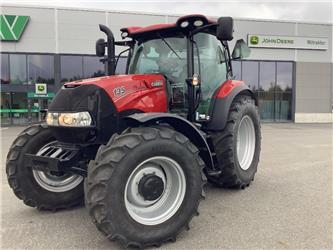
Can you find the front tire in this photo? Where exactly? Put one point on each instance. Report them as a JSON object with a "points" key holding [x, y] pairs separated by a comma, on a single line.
{"points": [[237, 147], [44, 190], [123, 207]]}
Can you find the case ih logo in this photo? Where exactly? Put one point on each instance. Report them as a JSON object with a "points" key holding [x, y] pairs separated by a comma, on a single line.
{"points": [[157, 84], [12, 27], [254, 40]]}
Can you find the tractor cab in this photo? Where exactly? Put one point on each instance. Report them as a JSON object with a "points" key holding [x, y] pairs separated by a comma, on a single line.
{"points": [[192, 55]]}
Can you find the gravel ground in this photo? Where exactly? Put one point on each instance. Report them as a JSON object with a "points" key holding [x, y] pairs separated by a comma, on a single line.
{"points": [[288, 206]]}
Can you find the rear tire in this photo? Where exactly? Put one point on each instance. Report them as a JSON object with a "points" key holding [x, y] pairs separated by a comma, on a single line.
{"points": [[237, 147], [36, 188], [110, 200]]}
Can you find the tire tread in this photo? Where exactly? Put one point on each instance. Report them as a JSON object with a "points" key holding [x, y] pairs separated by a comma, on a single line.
{"points": [[12, 165], [122, 144]]}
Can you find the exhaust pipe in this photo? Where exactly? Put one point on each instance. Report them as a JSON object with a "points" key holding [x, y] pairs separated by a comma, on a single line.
{"points": [[111, 63]]}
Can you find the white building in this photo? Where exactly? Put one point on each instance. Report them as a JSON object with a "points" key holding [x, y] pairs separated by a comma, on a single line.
{"points": [[290, 67]]}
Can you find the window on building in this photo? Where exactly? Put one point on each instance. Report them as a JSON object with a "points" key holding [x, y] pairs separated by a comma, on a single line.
{"points": [[19, 107], [283, 91], [5, 108], [121, 66], [18, 69], [71, 68], [92, 67], [237, 70], [267, 76], [5, 69], [266, 91], [284, 77], [250, 74], [40, 69]]}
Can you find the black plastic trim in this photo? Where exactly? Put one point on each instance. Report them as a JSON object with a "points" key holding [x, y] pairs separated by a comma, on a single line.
{"points": [[219, 108], [180, 124]]}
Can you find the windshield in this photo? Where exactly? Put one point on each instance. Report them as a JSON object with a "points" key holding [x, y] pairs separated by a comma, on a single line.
{"points": [[166, 56]]}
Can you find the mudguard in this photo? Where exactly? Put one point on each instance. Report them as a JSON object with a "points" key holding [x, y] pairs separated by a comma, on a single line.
{"points": [[220, 105], [179, 124]]}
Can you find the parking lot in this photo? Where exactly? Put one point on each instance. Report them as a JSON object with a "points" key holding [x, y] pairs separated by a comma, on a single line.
{"points": [[288, 206]]}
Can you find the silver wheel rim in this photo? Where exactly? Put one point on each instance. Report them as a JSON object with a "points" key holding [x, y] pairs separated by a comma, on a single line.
{"points": [[246, 142], [164, 207], [53, 182]]}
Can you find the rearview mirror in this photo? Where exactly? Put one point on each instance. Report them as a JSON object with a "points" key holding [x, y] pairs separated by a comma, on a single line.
{"points": [[241, 50], [100, 47], [225, 29]]}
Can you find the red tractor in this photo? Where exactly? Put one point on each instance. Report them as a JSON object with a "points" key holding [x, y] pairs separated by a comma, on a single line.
{"points": [[138, 148]]}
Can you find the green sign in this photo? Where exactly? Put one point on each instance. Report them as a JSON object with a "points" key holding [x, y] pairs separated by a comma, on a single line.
{"points": [[41, 88], [18, 110], [254, 40], [287, 42], [12, 27], [34, 95]]}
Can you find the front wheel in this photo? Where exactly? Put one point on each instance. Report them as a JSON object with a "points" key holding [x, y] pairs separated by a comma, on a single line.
{"points": [[145, 186], [237, 147], [44, 190]]}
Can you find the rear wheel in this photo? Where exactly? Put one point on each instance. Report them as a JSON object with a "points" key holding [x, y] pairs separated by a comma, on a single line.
{"points": [[145, 186], [44, 190], [237, 147]]}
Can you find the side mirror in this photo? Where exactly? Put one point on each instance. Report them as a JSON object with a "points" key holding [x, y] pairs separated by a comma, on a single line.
{"points": [[100, 47], [241, 50], [225, 29]]}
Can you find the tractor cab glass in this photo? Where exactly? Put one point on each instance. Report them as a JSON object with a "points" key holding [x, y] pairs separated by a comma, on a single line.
{"points": [[165, 56], [168, 56], [212, 70]]}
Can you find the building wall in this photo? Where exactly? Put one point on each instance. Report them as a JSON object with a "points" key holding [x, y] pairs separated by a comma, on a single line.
{"points": [[313, 92], [73, 31]]}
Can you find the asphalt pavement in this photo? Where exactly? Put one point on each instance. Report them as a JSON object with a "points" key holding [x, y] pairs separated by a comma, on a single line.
{"points": [[288, 206]]}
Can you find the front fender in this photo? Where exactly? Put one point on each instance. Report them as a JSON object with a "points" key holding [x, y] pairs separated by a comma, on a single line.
{"points": [[220, 105], [179, 124]]}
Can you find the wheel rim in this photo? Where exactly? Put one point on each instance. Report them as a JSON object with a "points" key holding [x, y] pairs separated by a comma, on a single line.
{"points": [[56, 182], [246, 142], [153, 212]]}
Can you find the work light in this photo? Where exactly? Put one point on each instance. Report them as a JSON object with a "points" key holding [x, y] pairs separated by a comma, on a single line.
{"points": [[184, 24], [198, 23]]}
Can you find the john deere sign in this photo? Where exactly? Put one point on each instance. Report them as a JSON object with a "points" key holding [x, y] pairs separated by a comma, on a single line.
{"points": [[288, 42], [40, 88], [12, 27]]}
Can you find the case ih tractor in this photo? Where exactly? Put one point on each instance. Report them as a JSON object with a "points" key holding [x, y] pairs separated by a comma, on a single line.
{"points": [[138, 148]]}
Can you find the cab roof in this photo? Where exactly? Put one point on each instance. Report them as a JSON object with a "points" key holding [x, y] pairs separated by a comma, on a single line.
{"points": [[168, 29]]}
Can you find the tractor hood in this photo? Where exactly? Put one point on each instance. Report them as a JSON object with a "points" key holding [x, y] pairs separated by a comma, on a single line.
{"points": [[108, 99], [126, 89]]}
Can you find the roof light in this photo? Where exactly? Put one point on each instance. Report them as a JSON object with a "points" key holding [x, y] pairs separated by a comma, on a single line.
{"points": [[184, 24], [198, 23]]}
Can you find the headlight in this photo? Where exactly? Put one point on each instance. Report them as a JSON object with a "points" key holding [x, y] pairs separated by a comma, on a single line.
{"points": [[79, 119]]}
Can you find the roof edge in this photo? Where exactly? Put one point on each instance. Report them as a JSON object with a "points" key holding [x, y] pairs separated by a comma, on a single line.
{"points": [[158, 13]]}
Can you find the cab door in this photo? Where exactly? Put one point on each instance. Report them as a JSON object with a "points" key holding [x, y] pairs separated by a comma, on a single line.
{"points": [[212, 70]]}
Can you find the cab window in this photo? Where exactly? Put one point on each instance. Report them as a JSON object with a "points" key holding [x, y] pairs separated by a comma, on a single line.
{"points": [[213, 68]]}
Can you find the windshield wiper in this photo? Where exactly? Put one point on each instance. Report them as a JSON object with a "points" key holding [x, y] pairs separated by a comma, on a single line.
{"points": [[169, 46]]}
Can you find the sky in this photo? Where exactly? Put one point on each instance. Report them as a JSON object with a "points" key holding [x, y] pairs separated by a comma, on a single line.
{"points": [[309, 11]]}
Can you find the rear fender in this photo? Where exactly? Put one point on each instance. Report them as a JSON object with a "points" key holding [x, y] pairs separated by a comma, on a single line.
{"points": [[179, 124], [220, 105]]}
